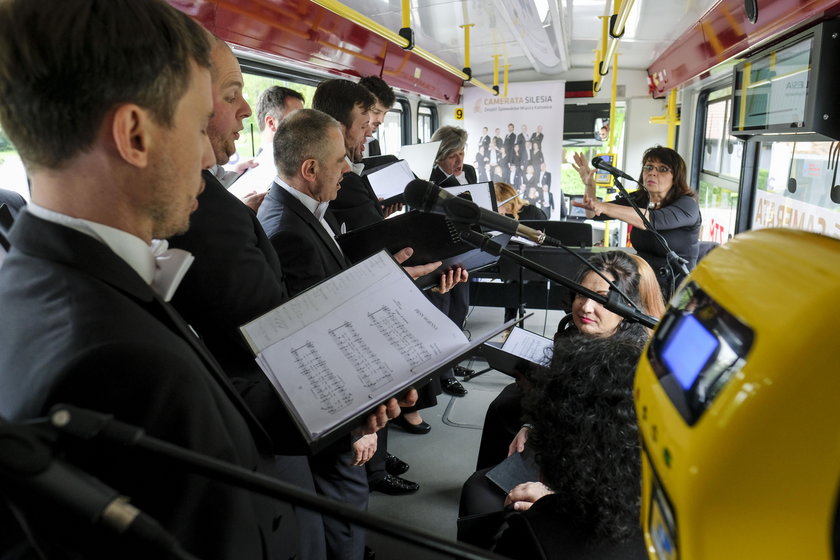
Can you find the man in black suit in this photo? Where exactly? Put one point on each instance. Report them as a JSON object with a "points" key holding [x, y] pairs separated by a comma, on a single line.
{"points": [[311, 160], [450, 169], [384, 100], [236, 278], [273, 104], [350, 104], [484, 140], [548, 196], [537, 137], [83, 321], [510, 140], [294, 214], [521, 138]]}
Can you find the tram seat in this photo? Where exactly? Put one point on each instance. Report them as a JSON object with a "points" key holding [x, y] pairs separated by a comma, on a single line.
{"points": [[572, 234]]}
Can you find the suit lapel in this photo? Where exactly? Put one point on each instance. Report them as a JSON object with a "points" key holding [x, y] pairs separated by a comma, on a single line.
{"points": [[308, 217], [67, 246]]}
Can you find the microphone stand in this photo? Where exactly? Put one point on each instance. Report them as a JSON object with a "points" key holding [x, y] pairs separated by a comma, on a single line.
{"points": [[670, 255], [90, 425], [612, 301]]}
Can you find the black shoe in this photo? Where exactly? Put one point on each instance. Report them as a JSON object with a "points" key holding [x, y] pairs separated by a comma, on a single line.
{"points": [[419, 429], [463, 372], [394, 485], [394, 466], [453, 387]]}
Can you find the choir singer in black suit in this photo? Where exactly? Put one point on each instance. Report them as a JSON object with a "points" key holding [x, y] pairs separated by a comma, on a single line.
{"points": [[450, 169], [309, 149], [115, 161]]}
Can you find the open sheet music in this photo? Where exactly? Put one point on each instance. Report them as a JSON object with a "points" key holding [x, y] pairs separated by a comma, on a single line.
{"points": [[342, 347], [529, 346]]}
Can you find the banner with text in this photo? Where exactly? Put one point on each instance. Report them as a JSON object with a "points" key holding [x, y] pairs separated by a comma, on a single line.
{"points": [[776, 210], [518, 139]]}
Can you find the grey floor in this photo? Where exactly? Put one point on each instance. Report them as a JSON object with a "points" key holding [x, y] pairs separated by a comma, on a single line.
{"points": [[445, 457]]}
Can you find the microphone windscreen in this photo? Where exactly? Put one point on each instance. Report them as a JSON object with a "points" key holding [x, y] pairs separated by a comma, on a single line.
{"points": [[420, 194], [597, 161]]}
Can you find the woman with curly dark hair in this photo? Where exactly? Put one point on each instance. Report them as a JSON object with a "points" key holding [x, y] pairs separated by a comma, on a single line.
{"points": [[593, 342], [502, 435], [586, 444]]}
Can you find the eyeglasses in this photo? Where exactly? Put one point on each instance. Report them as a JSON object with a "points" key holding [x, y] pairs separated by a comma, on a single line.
{"points": [[659, 168]]}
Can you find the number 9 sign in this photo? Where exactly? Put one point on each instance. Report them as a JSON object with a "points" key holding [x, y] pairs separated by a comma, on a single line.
{"points": [[459, 114]]}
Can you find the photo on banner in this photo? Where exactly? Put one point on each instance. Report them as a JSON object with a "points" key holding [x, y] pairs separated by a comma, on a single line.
{"points": [[518, 139]]}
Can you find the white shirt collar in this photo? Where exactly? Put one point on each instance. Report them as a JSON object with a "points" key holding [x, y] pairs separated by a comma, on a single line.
{"points": [[159, 267], [356, 168], [128, 247], [314, 206]]}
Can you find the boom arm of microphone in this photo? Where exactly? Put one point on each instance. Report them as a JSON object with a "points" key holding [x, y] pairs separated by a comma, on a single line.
{"points": [[428, 197], [29, 474], [612, 301], [89, 425], [670, 254]]}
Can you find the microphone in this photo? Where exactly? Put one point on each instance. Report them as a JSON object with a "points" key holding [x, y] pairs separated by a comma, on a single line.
{"points": [[29, 472], [599, 163], [428, 197]]}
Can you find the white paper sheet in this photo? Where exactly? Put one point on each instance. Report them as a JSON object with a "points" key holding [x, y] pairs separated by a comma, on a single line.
{"points": [[481, 193], [420, 157], [528, 345], [391, 180]]}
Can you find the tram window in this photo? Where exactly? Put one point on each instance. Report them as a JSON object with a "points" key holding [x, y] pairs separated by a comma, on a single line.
{"points": [[392, 132], [12, 173], [427, 121], [721, 158], [793, 188], [249, 141], [722, 152]]}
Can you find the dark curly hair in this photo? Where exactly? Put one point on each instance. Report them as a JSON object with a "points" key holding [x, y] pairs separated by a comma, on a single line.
{"points": [[585, 435], [381, 90]]}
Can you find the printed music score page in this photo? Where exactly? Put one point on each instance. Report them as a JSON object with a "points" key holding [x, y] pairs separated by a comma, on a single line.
{"points": [[342, 347], [529, 346]]}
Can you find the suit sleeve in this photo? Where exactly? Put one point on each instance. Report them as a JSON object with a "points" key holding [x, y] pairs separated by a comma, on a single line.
{"points": [[296, 251], [173, 399], [230, 282], [356, 205]]}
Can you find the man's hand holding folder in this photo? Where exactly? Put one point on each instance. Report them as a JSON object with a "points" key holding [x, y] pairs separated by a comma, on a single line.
{"points": [[448, 279]]}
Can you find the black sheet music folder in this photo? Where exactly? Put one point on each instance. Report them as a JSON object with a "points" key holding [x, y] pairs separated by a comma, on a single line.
{"points": [[432, 237]]}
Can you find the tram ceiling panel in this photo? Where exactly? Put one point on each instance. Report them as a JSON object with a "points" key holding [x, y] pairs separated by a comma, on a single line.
{"points": [[725, 32], [308, 35], [525, 33]]}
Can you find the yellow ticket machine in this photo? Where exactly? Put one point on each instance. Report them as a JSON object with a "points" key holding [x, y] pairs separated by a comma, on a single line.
{"points": [[738, 403]]}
